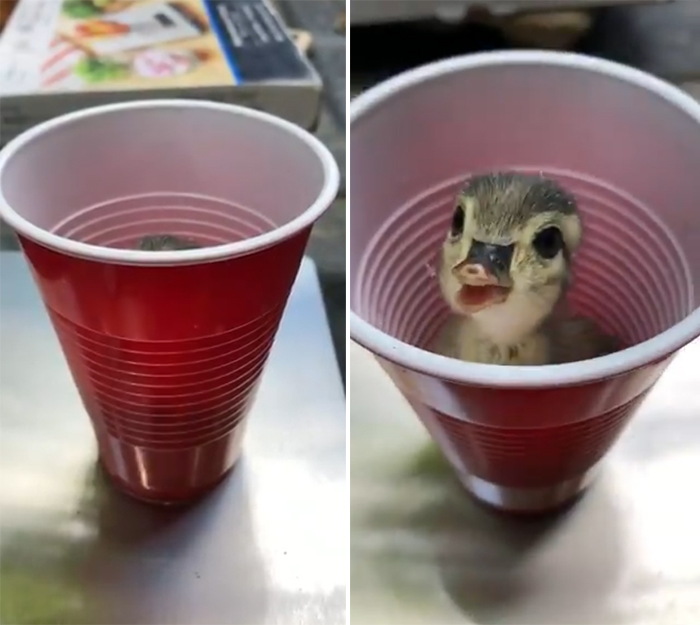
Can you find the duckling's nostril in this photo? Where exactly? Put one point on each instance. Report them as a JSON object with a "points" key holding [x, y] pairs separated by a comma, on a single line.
{"points": [[475, 273]]}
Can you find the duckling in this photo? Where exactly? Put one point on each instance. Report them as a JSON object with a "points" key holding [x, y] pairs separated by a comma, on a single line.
{"points": [[504, 269], [165, 242]]}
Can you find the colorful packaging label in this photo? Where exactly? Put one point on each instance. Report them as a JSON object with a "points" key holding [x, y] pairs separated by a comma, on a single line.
{"points": [[111, 45]]}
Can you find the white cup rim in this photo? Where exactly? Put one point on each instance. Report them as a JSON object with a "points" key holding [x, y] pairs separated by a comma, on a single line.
{"points": [[329, 190], [547, 376]]}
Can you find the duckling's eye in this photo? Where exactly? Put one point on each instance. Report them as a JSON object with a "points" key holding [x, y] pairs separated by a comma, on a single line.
{"points": [[457, 226], [548, 242]]}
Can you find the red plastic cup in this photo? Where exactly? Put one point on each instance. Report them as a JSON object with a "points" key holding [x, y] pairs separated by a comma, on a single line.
{"points": [[628, 146], [166, 348]]}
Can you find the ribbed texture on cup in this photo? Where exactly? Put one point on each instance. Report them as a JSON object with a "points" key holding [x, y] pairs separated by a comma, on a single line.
{"points": [[168, 395], [528, 457], [630, 275], [122, 222], [167, 359]]}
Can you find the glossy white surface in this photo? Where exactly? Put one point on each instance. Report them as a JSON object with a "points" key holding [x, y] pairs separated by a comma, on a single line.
{"points": [[423, 553], [269, 546]]}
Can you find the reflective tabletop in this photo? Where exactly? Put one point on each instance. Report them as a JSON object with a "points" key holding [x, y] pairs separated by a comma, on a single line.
{"points": [[423, 553], [269, 546]]}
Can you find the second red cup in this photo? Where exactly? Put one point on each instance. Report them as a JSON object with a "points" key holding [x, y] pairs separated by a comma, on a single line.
{"points": [[166, 348], [527, 439]]}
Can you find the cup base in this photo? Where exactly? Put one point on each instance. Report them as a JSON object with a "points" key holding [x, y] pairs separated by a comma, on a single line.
{"points": [[528, 501], [183, 498]]}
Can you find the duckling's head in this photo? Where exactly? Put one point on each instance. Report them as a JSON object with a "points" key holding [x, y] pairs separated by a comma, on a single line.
{"points": [[506, 258], [165, 242]]}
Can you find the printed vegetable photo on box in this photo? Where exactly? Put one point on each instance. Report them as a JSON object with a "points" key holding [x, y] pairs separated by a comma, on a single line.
{"points": [[105, 42]]}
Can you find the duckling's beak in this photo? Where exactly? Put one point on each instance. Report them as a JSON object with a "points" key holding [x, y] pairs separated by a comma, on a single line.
{"points": [[486, 264], [484, 277]]}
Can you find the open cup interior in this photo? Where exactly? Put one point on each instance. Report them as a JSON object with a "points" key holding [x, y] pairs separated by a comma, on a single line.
{"points": [[211, 173], [627, 154]]}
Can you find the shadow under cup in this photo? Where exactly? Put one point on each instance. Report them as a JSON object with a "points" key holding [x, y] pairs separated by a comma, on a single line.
{"points": [[627, 146], [166, 348]]}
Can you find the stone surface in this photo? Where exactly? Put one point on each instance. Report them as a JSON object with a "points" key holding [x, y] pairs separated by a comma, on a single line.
{"points": [[327, 245], [662, 39], [320, 17], [551, 30]]}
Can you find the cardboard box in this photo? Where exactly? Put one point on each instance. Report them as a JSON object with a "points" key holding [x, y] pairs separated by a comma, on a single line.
{"points": [[58, 56]]}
